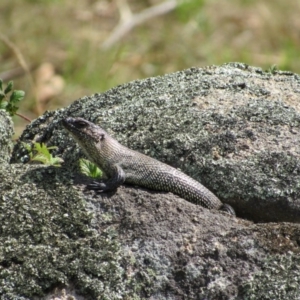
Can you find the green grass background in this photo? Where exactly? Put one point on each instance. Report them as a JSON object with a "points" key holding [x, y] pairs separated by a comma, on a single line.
{"points": [[69, 35]]}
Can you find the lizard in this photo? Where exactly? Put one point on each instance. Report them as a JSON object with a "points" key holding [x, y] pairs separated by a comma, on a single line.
{"points": [[122, 164]]}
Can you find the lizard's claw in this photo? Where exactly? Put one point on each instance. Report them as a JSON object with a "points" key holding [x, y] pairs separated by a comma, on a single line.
{"points": [[97, 186], [101, 186]]}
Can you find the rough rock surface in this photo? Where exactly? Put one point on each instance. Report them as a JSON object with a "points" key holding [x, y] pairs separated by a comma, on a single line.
{"points": [[234, 128], [6, 132]]}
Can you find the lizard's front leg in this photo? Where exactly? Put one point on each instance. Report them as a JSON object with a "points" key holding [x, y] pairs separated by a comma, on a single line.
{"points": [[117, 178]]}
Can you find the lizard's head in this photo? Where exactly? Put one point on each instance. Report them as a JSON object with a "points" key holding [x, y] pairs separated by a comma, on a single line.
{"points": [[93, 140], [84, 132]]}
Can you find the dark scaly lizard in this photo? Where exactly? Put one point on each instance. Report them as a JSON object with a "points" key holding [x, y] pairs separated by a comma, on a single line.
{"points": [[122, 164]]}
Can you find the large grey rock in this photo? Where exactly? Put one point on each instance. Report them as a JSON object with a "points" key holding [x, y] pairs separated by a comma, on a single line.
{"points": [[134, 244], [141, 244], [234, 128]]}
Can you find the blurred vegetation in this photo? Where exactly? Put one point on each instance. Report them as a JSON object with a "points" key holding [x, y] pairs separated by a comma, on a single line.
{"points": [[53, 49]]}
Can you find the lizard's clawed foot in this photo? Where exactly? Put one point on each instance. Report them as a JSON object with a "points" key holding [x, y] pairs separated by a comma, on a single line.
{"points": [[97, 186], [100, 186]]}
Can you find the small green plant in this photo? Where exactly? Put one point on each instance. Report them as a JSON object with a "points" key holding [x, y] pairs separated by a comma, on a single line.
{"points": [[40, 152], [273, 69], [89, 169], [10, 98], [9, 103]]}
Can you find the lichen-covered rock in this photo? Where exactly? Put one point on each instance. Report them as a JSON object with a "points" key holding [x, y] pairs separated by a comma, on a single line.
{"points": [[234, 127], [6, 133], [47, 238], [133, 244]]}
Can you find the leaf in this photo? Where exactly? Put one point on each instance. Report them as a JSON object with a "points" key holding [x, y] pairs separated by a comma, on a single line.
{"points": [[11, 108], [41, 158], [56, 161], [38, 147], [272, 69], [2, 95], [9, 87], [10, 105], [89, 169], [44, 156], [3, 104], [43, 150], [16, 96], [52, 148]]}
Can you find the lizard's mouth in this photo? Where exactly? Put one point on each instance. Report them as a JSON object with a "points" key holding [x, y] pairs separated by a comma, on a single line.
{"points": [[70, 125], [75, 123], [80, 128]]}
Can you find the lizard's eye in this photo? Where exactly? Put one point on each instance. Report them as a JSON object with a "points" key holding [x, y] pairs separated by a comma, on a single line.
{"points": [[81, 124]]}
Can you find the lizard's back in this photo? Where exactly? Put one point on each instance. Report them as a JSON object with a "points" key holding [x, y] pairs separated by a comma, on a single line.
{"points": [[148, 172]]}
